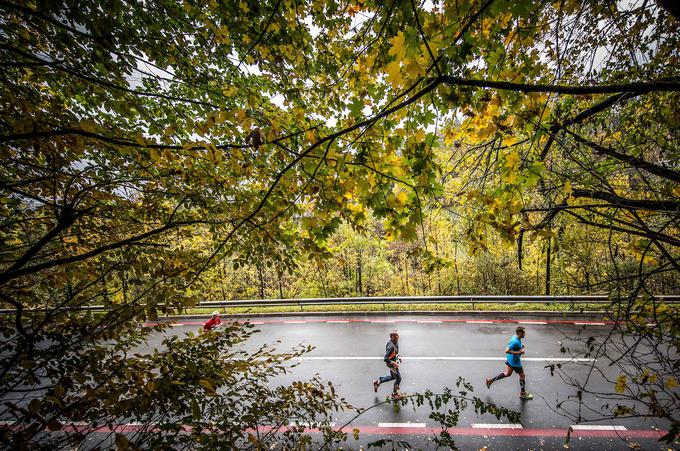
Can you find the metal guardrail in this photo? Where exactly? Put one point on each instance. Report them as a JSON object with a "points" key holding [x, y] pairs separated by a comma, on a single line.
{"points": [[472, 300]]}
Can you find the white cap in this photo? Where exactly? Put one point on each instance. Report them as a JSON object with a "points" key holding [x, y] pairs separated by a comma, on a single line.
{"points": [[216, 313]]}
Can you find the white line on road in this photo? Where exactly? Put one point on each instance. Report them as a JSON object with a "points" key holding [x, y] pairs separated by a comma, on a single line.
{"points": [[337, 321], [382, 321], [470, 358], [589, 324], [479, 322], [532, 322], [596, 427], [401, 425], [429, 322], [497, 426]]}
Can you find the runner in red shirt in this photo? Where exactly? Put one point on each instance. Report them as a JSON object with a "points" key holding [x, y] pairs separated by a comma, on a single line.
{"points": [[213, 321]]}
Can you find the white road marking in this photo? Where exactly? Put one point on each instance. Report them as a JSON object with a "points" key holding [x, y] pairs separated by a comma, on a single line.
{"points": [[479, 322], [497, 426], [532, 322], [597, 427], [429, 322], [337, 321], [401, 425], [469, 358], [589, 324], [382, 321]]}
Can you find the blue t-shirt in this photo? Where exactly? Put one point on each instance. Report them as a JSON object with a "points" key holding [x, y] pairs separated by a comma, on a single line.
{"points": [[515, 344]]}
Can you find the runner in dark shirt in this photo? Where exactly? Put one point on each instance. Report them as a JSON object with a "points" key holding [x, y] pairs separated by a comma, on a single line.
{"points": [[392, 361], [513, 363]]}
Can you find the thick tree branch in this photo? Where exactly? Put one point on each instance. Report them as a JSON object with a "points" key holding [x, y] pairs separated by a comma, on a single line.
{"points": [[641, 204], [583, 115], [663, 85], [13, 274], [633, 161], [618, 229]]}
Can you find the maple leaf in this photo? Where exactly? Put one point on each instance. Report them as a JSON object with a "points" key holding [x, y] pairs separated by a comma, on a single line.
{"points": [[394, 74], [398, 50]]}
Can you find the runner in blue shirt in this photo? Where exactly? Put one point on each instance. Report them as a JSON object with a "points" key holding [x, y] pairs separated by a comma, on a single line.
{"points": [[513, 363]]}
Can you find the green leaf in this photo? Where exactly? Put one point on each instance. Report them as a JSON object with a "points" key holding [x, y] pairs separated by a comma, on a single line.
{"points": [[195, 409]]}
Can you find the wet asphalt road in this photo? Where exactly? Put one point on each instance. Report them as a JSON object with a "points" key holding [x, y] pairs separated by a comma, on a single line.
{"points": [[436, 351]]}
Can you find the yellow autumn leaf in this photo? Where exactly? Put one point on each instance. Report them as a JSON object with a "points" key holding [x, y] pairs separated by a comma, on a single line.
{"points": [[139, 139], [412, 68], [394, 74], [671, 383], [398, 50], [621, 383], [512, 159], [402, 197], [154, 155], [511, 177], [241, 115]]}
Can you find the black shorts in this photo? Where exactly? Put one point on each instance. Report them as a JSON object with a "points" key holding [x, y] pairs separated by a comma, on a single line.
{"points": [[516, 369]]}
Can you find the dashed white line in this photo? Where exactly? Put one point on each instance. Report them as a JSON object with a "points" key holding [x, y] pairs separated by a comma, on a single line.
{"points": [[589, 324], [382, 321], [429, 322], [497, 426], [337, 321], [462, 358], [401, 425], [479, 322], [597, 427], [532, 322]]}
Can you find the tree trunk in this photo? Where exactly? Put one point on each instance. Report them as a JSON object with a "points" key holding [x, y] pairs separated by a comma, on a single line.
{"points": [[359, 284], [547, 268], [261, 277]]}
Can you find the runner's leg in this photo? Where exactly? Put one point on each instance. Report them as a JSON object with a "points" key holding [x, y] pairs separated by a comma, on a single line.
{"points": [[397, 380], [522, 383], [507, 373]]}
